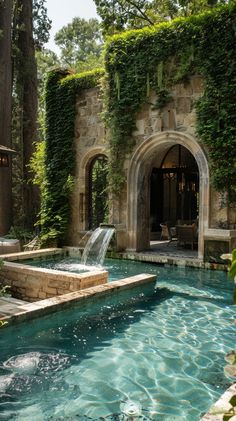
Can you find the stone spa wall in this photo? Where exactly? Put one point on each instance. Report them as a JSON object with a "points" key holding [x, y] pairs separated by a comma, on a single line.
{"points": [[34, 284]]}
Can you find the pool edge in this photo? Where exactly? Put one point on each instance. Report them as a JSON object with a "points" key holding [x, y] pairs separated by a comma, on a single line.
{"points": [[61, 302]]}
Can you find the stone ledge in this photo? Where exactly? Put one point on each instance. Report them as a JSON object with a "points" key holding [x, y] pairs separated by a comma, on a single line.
{"points": [[32, 283], [217, 411], [51, 305], [33, 254]]}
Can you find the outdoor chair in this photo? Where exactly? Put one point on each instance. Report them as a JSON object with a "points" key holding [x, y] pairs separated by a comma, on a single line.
{"points": [[167, 232], [186, 234], [33, 244]]}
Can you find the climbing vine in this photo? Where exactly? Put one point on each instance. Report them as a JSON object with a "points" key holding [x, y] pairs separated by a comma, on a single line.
{"points": [[155, 58], [136, 63], [60, 96]]}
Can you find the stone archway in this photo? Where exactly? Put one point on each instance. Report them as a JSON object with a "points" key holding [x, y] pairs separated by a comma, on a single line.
{"points": [[82, 185], [139, 189]]}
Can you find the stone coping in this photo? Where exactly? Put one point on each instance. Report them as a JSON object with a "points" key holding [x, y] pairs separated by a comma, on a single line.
{"points": [[219, 234], [152, 257], [222, 406], [40, 308], [161, 259], [33, 254], [58, 275]]}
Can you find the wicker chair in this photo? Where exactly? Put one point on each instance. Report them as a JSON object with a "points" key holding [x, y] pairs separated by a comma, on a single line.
{"points": [[186, 234], [167, 231], [33, 244]]}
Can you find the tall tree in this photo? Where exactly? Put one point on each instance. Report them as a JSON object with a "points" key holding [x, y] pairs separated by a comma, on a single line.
{"points": [[80, 41], [5, 110], [30, 31], [118, 15], [26, 88]]}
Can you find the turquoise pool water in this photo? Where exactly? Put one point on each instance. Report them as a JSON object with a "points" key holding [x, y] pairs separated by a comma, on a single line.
{"points": [[165, 351]]}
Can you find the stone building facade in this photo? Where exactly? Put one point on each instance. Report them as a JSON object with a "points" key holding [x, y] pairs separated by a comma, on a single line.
{"points": [[156, 135]]}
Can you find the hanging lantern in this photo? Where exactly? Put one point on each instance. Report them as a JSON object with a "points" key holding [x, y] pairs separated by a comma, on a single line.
{"points": [[4, 160], [4, 156]]}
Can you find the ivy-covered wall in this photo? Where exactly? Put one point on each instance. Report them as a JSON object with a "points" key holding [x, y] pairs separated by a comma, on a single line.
{"points": [[136, 64], [157, 57], [61, 90]]}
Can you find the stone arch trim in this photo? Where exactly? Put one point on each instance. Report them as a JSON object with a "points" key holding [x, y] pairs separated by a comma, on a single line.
{"points": [[83, 182], [87, 159], [137, 178]]}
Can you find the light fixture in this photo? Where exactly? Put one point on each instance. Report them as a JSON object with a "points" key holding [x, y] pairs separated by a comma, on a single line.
{"points": [[4, 159]]}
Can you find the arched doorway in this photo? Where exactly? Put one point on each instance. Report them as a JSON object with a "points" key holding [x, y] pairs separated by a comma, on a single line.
{"points": [[98, 194], [155, 148], [174, 189]]}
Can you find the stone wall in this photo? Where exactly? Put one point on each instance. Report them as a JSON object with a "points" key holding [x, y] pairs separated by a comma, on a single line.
{"points": [[33, 284], [178, 121], [178, 115], [90, 141], [91, 299]]}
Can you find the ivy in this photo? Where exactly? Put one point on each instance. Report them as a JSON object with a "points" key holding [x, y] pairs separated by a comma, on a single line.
{"points": [[60, 96], [156, 58], [136, 63]]}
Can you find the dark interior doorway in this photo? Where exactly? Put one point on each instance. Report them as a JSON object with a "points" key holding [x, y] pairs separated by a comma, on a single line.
{"points": [[174, 189], [98, 192]]}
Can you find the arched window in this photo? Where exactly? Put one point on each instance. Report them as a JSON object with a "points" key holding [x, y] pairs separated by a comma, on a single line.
{"points": [[98, 193]]}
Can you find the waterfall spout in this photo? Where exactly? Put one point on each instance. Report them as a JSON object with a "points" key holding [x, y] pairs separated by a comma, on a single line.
{"points": [[96, 247]]}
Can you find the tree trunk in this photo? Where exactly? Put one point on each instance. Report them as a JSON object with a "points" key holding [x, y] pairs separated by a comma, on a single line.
{"points": [[26, 81], [5, 112]]}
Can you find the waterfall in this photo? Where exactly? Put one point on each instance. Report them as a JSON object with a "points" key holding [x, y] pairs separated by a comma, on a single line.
{"points": [[96, 247]]}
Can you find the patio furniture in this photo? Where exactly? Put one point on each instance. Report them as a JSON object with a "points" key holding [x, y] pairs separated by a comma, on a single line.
{"points": [[186, 235], [33, 244], [167, 231], [8, 246]]}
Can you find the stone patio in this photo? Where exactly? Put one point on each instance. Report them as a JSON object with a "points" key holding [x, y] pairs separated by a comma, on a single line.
{"points": [[10, 306], [166, 252]]}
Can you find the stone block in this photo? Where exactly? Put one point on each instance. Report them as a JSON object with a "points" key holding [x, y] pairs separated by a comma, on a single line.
{"points": [[182, 89], [31, 292], [197, 84], [49, 295], [49, 290], [62, 291], [42, 295], [58, 284], [139, 127], [190, 120], [75, 286], [184, 105]]}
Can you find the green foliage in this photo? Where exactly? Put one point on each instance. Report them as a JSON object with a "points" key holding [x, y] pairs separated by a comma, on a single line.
{"points": [[232, 269], [61, 90], [4, 291], [157, 57], [123, 14], [41, 23], [19, 233], [37, 166], [80, 42], [136, 62], [99, 194]]}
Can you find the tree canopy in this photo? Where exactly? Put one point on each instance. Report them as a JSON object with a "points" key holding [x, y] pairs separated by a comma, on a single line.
{"points": [[122, 14], [41, 23], [80, 41]]}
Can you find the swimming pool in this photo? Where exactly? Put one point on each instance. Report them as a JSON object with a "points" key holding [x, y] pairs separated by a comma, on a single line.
{"points": [[165, 351]]}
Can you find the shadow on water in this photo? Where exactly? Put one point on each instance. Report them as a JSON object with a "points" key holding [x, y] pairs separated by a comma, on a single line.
{"points": [[77, 330], [62, 340]]}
